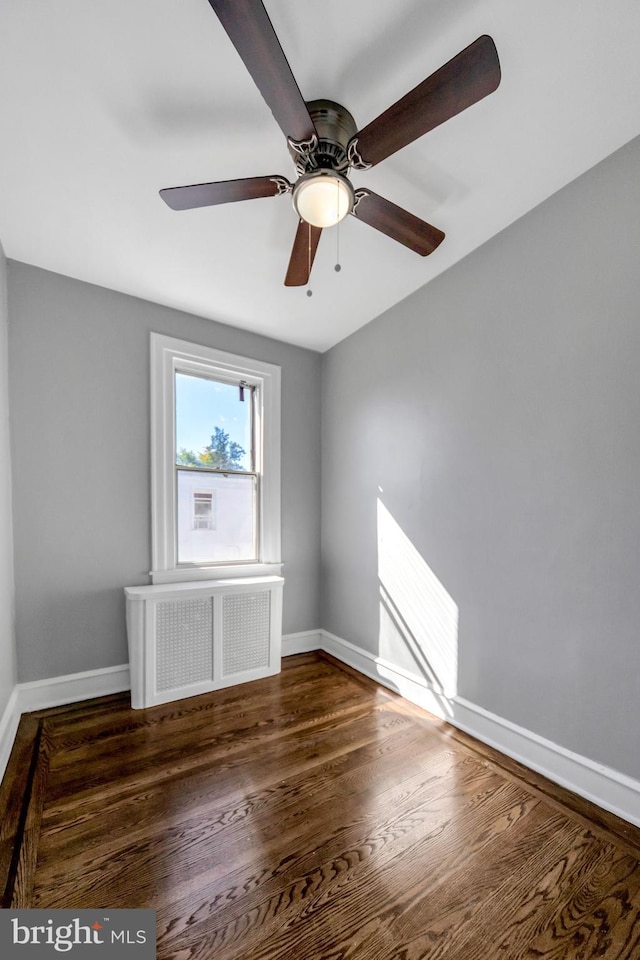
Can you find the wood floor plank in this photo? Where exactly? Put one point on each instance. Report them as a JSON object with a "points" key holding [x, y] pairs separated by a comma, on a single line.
{"points": [[313, 815], [232, 761], [598, 918], [22, 891], [305, 851], [15, 795], [146, 737], [376, 763], [514, 912], [211, 851], [203, 825], [335, 897]]}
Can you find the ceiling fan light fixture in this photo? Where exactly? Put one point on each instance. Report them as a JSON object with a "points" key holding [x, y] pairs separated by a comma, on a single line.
{"points": [[323, 197]]}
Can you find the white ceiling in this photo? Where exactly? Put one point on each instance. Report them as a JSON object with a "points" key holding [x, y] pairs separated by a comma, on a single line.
{"points": [[102, 104]]}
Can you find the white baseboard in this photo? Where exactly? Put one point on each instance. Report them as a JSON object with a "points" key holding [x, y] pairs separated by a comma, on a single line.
{"points": [[56, 691], [602, 785], [609, 789], [596, 782], [304, 642], [8, 728]]}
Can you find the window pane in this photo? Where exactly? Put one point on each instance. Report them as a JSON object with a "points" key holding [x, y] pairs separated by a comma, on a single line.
{"points": [[215, 517], [213, 426]]}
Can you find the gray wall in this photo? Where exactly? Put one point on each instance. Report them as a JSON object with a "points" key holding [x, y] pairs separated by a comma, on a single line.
{"points": [[494, 414], [80, 425], [498, 409], [7, 636]]}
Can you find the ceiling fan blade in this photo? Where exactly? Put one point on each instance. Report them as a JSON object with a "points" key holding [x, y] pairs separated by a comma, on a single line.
{"points": [[250, 30], [224, 191], [302, 255], [471, 75], [397, 223]]}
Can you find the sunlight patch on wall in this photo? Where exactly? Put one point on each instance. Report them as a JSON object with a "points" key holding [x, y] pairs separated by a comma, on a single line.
{"points": [[416, 612]]}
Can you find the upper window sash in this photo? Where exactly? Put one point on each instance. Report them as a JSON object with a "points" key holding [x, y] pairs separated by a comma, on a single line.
{"points": [[251, 400], [168, 356]]}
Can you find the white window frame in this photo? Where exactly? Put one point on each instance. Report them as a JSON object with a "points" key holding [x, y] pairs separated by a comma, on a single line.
{"points": [[169, 355]]}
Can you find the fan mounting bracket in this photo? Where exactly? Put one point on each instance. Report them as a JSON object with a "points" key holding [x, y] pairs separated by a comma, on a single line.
{"points": [[302, 152], [282, 185], [354, 156], [359, 195]]}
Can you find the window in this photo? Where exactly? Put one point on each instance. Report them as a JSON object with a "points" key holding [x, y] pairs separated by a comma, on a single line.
{"points": [[203, 515], [215, 460], [215, 463]]}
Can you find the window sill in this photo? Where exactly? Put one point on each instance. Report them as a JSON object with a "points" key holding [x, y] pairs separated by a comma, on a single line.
{"points": [[219, 572]]}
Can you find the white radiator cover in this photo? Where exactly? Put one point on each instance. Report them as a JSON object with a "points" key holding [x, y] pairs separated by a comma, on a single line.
{"points": [[190, 638]]}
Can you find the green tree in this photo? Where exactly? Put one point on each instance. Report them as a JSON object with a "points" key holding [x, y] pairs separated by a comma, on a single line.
{"points": [[221, 454], [187, 458]]}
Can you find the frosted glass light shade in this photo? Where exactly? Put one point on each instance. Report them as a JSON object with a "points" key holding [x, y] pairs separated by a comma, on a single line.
{"points": [[323, 198]]}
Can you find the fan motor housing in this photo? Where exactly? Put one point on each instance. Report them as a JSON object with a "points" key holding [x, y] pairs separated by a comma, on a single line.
{"points": [[335, 127]]}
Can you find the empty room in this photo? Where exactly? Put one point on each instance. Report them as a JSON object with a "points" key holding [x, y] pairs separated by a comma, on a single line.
{"points": [[319, 539]]}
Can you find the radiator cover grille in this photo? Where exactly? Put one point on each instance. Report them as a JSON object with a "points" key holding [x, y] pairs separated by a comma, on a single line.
{"points": [[246, 628], [184, 651]]}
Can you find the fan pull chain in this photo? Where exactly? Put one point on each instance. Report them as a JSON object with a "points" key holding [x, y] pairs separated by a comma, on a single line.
{"points": [[337, 267], [309, 291]]}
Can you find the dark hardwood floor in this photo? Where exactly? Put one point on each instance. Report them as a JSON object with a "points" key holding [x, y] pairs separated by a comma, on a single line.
{"points": [[311, 815]]}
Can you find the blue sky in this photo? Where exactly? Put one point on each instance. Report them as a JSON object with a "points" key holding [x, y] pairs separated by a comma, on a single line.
{"points": [[203, 404]]}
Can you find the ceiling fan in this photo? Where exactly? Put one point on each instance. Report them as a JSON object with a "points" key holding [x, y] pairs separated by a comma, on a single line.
{"points": [[325, 143]]}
